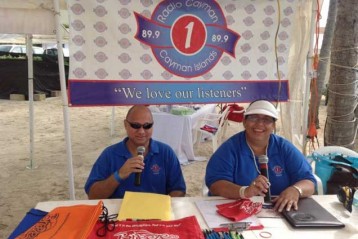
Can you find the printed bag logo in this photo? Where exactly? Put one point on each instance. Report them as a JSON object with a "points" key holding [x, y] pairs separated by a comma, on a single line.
{"points": [[184, 228], [47, 223], [144, 234]]}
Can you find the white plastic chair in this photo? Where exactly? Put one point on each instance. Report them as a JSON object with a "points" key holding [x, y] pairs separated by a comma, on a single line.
{"points": [[216, 121], [204, 189], [319, 185], [327, 150]]}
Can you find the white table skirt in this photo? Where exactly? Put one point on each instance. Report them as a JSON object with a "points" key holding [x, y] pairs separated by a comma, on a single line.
{"points": [[177, 131]]}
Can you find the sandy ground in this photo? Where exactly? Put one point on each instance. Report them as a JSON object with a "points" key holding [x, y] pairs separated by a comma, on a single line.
{"points": [[22, 188]]}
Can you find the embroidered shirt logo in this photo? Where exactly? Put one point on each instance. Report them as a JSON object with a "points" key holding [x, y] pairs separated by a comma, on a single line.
{"points": [[278, 170], [155, 169]]}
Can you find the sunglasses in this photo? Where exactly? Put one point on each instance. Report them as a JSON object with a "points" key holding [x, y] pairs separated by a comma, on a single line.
{"points": [[138, 126], [257, 119]]}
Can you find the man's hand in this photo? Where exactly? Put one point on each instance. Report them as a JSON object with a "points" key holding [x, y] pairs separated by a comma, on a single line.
{"points": [[132, 165]]}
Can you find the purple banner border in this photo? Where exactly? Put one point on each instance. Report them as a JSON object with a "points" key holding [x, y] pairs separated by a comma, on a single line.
{"points": [[111, 93]]}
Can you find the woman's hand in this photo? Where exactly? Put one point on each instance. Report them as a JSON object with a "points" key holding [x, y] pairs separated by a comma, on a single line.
{"points": [[258, 187], [287, 200]]}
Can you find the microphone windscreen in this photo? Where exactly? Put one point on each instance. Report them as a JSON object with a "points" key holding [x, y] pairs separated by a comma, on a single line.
{"points": [[263, 159], [140, 150]]}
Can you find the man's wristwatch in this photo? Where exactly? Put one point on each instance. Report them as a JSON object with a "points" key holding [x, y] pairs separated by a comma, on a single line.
{"points": [[298, 189]]}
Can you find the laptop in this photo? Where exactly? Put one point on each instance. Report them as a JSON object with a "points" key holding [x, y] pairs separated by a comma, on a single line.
{"points": [[311, 214]]}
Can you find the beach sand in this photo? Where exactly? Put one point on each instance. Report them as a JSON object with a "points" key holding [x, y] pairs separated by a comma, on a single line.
{"points": [[22, 188]]}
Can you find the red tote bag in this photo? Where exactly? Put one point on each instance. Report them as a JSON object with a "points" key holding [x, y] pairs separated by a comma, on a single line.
{"points": [[185, 228], [237, 116]]}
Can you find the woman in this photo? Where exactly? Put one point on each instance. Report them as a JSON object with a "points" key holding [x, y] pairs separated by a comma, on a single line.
{"points": [[233, 171]]}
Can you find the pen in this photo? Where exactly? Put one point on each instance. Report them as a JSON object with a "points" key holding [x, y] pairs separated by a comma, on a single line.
{"points": [[232, 234], [217, 235], [210, 236], [204, 233], [227, 235]]}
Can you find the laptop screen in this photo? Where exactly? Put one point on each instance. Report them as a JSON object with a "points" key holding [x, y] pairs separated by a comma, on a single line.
{"points": [[311, 214]]}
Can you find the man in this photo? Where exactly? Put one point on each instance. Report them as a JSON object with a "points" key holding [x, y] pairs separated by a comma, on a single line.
{"points": [[114, 171], [233, 171]]}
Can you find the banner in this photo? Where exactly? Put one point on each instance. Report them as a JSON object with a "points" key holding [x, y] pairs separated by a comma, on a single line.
{"points": [[179, 51]]}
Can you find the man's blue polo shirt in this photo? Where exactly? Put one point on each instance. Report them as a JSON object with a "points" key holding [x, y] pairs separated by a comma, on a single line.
{"points": [[162, 173]]}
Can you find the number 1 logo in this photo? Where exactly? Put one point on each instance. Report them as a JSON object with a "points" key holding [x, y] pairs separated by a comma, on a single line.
{"points": [[188, 35]]}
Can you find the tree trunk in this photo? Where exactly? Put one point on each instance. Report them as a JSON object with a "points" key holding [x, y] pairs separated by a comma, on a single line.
{"points": [[341, 126], [324, 57]]}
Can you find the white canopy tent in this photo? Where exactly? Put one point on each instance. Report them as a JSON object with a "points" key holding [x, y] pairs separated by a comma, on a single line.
{"points": [[38, 18], [42, 18]]}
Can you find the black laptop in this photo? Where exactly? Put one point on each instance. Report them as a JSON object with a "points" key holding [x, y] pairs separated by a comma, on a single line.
{"points": [[311, 214]]}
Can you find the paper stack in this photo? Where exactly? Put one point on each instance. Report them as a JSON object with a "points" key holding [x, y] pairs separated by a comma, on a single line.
{"points": [[145, 206]]}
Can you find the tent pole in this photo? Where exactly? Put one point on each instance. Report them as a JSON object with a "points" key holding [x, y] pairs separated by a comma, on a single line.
{"points": [[309, 75], [30, 73], [64, 99], [112, 121]]}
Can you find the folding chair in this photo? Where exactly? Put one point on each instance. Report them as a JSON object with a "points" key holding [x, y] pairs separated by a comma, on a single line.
{"points": [[212, 126]]}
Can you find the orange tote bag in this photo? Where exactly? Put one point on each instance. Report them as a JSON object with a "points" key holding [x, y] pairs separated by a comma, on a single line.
{"points": [[70, 222]]}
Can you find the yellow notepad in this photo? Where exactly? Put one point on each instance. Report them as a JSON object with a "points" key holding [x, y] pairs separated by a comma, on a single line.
{"points": [[144, 206]]}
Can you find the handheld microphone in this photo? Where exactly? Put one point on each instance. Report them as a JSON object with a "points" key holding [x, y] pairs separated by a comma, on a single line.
{"points": [[140, 151], [263, 160]]}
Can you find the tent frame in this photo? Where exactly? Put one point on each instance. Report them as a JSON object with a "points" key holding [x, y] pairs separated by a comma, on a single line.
{"points": [[46, 28], [61, 66]]}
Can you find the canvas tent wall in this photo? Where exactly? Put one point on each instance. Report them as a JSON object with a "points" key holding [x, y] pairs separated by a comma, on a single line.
{"points": [[17, 13]]}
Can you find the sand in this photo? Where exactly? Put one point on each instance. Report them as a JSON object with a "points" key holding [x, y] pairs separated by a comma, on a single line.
{"points": [[22, 188]]}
